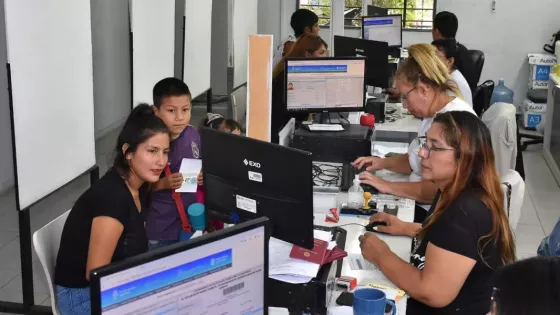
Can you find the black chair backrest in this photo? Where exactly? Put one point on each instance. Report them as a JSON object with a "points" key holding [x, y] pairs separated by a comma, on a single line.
{"points": [[482, 96], [477, 57]]}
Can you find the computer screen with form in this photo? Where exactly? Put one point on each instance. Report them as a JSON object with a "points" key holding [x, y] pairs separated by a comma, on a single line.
{"points": [[383, 29], [223, 275], [325, 84]]}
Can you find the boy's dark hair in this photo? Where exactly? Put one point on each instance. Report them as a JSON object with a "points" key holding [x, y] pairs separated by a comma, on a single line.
{"points": [[302, 19], [447, 24], [215, 121], [169, 87]]}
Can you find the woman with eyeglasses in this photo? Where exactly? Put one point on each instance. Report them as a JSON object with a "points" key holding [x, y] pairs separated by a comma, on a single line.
{"points": [[425, 85], [467, 235], [528, 287]]}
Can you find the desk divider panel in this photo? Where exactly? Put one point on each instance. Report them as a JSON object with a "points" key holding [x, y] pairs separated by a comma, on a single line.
{"points": [[259, 87]]}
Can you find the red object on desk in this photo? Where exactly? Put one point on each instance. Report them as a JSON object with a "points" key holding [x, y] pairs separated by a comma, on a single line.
{"points": [[315, 255], [367, 120]]}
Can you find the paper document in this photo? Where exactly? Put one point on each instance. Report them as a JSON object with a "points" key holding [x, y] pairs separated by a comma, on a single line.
{"points": [[284, 268], [326, 127], [190, 168], [358, 262]]}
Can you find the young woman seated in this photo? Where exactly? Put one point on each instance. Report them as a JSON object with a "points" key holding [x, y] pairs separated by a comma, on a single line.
{"points": [[308, 45], [466, 236], [448, 51], [107, 224]]}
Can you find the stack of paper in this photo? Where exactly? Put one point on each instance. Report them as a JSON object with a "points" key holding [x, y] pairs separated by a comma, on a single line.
{"points": [[284, 268]]}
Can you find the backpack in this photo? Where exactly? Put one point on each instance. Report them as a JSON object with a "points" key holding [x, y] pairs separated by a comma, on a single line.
{"points": [[550, 48]]}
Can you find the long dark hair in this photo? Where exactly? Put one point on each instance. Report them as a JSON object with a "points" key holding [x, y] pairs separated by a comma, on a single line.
{"points": [[450, 48], [140, 125], [476, 171], [528, 287]]}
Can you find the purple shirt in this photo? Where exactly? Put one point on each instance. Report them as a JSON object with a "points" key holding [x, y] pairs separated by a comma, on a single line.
{"points": [[163, 222]]}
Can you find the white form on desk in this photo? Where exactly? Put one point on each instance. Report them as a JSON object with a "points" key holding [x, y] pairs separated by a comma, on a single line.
{"points": [[400, 245]]}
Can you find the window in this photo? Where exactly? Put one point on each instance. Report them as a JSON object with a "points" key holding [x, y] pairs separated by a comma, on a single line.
{"points": [[417, 14]]}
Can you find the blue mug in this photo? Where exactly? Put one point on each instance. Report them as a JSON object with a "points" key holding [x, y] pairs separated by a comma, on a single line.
{"points": [[370, 301]]}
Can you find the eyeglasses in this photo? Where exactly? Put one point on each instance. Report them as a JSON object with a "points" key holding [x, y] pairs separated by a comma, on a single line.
{"points": [[424, 151], [404, 96]]}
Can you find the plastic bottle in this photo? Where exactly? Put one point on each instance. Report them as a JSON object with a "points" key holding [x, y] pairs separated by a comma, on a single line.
{"points": [[502, 94], [356, 194]]}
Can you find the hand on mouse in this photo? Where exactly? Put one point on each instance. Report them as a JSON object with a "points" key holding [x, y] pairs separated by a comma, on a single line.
{"points": [[395, 226], [371, 162], [369, 179], [373, 248]]}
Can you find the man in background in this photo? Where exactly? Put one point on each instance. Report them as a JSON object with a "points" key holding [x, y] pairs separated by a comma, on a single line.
{"points": [[446, 25]]}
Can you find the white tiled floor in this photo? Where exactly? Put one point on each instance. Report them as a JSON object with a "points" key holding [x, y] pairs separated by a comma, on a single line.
{"points": [[539, 214]]}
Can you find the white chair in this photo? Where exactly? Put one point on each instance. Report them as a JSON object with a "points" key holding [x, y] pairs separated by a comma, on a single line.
{"points": [[500, 119], [514, 192], [46, 242]]}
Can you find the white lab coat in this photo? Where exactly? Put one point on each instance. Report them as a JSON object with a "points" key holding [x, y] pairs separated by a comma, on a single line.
{"points": [[500, 119]]}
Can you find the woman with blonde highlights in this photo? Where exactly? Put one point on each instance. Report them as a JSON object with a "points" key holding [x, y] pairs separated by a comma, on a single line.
{"points": [[426, 89], [467, 234]]}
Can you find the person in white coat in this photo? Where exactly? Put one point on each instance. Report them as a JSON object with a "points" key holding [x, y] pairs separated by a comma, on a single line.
{"points": [[448, 51], [426, 89]]}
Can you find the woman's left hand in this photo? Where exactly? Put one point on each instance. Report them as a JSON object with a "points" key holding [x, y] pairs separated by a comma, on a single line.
{"points": [[372, 247], [369, 179]]}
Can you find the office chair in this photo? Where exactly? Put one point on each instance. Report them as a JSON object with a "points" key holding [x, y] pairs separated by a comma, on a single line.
{"points": [[482, 96], [46, 242], [477, 57]]}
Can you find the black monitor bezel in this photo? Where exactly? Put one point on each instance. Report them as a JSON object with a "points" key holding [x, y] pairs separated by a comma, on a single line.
{"points": [[384, 16], [368, 76], [323, 110], [97, 274]]}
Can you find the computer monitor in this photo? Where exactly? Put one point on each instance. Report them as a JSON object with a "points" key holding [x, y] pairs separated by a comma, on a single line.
{"points": [[330, 84], [377, 53], [245, 178], [387, 28], [223, 270], [375, 11]]}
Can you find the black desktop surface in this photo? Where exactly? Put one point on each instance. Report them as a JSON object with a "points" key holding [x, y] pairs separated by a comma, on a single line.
{"points": [[246, 178], [376, 53]]}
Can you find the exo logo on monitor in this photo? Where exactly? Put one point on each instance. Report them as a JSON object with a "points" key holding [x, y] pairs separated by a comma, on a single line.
{"points": [[251, 163]]}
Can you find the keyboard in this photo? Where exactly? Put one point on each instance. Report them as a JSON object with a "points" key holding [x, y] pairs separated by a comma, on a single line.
{"points": [[347, 178], [324, 127]]}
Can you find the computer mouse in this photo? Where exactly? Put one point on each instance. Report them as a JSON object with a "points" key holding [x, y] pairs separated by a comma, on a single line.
{"points": [[370, 227]]}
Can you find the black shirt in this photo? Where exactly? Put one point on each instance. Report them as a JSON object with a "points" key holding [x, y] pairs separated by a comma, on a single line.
{"points": [[466, 66], [109, 197], [458, 230]]}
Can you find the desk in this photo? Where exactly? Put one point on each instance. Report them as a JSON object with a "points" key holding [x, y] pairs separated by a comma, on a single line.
{"points": [[400, 245], [404, 129]]}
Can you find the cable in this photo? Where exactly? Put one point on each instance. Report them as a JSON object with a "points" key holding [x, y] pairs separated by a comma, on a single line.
{"points": [[342, 117], [326, 175]]}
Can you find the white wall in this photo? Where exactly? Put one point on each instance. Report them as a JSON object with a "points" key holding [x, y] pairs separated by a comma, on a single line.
{"points": [[6, 159], [518, 27], [111, 64], [506, 37]]}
